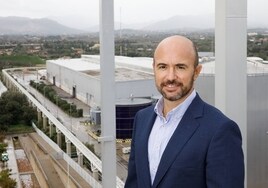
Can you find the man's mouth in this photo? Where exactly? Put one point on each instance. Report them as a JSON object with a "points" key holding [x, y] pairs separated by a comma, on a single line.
{"points": [[171, 84]]}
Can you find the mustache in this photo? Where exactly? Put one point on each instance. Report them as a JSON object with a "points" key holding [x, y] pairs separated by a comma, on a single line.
{"points": [[171, 82]]}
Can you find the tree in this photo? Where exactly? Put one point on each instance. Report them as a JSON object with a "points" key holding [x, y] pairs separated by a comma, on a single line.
{"points": [[6, 181], [28, 114], [2, 147], [15, 109]]}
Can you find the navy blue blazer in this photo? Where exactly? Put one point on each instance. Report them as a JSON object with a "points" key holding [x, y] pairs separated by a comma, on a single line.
{"points": [[205, 151]]}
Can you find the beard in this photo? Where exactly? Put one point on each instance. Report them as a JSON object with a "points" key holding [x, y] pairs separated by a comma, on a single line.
{"points": [[184, 89]]}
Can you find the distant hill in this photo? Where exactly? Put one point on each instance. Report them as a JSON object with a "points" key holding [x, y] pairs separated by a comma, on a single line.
{"points": [[183, 23], [43, 26], [189, 23]]}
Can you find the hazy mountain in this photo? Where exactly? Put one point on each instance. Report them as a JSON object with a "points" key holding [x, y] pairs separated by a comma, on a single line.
{"points": [[197, 22], [183, 23], [172, 23], [43, 26]]}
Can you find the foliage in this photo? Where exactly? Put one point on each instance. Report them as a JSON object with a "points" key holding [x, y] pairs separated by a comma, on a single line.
{"points": [[2, 137], [51, 94], [22, 59], [7, 61], [3, 148], [6, 181], [20, 128], [15, 109], [90, 147]]}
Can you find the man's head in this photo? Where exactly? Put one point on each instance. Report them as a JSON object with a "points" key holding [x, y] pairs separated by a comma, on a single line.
{"points": [[176, 67]]}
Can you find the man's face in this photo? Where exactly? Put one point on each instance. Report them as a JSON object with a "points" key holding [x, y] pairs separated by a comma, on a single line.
{"points": [[175, 74]]}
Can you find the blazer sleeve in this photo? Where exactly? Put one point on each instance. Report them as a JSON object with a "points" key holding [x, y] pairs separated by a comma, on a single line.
{"points": [[225, 160], [131, 181]]}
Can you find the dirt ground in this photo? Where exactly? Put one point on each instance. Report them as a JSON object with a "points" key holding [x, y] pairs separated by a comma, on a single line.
{"points": [[27, 177]]}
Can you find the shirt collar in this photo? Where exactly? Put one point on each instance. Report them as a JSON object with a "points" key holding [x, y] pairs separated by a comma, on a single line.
{"points": [[176, 112]]}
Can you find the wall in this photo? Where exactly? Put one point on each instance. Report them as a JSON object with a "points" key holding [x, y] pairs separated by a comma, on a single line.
{"points": [[66, 79], [257, 125], [257, 131], [138, 88], [88, 88]]}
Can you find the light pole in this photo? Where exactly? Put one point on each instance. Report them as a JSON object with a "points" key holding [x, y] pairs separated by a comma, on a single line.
{"points": [[36, 74], [45, 96], [57, 96], [36, 88], [70, 114], [68, 171]]}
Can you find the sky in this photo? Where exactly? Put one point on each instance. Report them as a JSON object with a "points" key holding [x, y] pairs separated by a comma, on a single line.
{"points": [[85, 13]]}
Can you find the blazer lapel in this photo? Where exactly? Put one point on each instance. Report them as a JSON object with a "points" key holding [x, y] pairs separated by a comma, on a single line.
{"points": [[142, 148], [182, 134]]}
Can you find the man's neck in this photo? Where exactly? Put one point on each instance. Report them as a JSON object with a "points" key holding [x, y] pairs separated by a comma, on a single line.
{"points": [[169, 105]]}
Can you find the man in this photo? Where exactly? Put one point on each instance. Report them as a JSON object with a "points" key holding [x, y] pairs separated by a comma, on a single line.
{"points": [[182, 142]]}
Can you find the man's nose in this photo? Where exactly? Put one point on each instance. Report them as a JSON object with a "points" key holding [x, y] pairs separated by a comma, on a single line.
{"points": [[171, 74]]}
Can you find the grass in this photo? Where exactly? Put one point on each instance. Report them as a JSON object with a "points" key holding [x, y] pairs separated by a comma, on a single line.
{"points": [[22, 59], [20, 128]]}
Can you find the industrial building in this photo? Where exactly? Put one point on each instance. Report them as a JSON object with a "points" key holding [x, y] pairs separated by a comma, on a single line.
{"points": [[134, 86]]}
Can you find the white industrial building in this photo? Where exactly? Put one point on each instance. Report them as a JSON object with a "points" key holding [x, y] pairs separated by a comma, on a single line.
{"points": [[81, 77]]}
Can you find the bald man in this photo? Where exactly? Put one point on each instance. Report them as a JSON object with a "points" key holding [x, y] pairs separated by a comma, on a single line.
{"points": [[183, 142]]}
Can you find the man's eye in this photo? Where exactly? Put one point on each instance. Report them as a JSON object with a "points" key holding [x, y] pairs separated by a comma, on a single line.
{"points": [[161, 67], [181, 67]]}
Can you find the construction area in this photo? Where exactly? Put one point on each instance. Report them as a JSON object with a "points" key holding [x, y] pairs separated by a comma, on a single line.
{"points": [[40, 166]]}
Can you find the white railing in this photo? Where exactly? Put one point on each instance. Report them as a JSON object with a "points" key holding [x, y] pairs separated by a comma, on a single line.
{"points": [[82, 172], [80, 146]]}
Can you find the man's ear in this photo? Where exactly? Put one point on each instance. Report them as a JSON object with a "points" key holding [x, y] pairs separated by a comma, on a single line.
{"points": [[197, 71]]}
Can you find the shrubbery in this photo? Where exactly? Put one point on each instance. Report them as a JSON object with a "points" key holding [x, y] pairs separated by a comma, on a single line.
{"points": [[15, 109], [51, 94]]}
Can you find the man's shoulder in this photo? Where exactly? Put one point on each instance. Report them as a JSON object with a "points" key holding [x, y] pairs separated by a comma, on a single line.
{"points": [[210, 111], [146, 110]]}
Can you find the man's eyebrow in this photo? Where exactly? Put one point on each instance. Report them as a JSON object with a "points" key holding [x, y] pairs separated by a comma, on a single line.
{"points": [[177, 64], [181, 64], [160, 63]]}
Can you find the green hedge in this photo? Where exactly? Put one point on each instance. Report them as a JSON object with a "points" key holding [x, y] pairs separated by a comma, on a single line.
{"points": [[51, 94]]}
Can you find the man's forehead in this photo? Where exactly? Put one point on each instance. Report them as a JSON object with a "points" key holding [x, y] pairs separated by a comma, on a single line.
{"points": [[173, 62]]}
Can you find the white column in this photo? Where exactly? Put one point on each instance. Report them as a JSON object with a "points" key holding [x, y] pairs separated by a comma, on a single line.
{"points": [[80, 157], [68, 146], [51, 128], [95, 172], [108, 152], [231, 65], [44, 122], [59, 141], [39, 116]]}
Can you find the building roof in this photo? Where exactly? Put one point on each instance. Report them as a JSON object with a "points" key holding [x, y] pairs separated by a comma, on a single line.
{"points": [[255, 65], [133, 102], [126, 68]]}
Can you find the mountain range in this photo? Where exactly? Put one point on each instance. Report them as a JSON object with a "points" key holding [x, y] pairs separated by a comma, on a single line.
{"points": [[45, 26]]}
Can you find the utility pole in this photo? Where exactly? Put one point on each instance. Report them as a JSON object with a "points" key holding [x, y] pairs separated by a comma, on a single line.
{"points": [[107, 75]]}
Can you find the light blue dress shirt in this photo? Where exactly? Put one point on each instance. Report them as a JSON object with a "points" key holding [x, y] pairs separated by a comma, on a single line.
{"points": [[163, 129]]}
